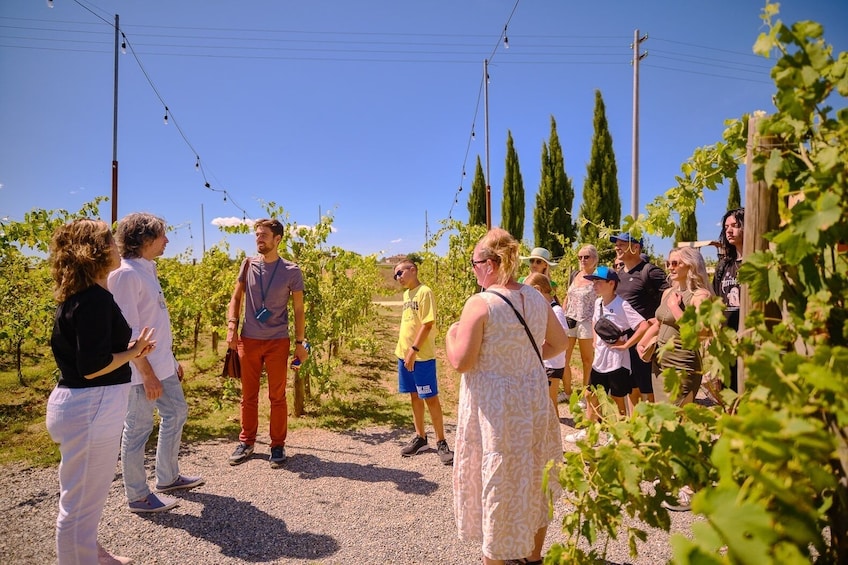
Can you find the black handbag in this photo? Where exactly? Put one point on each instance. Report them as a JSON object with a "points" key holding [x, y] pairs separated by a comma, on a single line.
{"points": [[606, 329]]}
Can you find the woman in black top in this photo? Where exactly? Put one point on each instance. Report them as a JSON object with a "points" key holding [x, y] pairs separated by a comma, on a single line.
{"points": [[86, 410], [725, 282]]}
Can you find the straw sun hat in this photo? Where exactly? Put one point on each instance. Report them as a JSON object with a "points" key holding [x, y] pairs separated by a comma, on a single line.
{"points": [[540, 253]]}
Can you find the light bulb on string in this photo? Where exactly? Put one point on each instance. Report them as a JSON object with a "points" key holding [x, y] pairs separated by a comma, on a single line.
{"points": [[473, 137], [197, 164], [207, 185], [123, 47], [506, 39], [49, 3], [166, 115]]}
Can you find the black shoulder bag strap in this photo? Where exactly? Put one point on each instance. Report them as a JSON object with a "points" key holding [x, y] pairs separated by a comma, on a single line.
{"points": [[523, 323]]}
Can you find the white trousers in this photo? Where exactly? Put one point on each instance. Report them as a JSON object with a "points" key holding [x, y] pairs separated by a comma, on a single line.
{"points": [[87, 424]]}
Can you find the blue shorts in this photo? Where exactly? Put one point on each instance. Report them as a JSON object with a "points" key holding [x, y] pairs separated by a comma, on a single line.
{"points": [[422, 379]]}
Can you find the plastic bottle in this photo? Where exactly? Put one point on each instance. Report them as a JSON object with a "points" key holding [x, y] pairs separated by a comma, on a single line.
{"points": [[296, 363]]}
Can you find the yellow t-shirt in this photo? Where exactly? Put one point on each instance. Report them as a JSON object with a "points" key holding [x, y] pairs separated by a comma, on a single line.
{"points": [[419, 308]]}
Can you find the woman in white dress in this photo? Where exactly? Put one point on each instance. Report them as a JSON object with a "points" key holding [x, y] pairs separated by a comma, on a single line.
{"points": [[507, 428]]}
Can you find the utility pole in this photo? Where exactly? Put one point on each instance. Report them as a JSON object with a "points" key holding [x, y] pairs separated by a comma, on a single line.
{"points": [[115, 132], [486, 136], [634, 186]]}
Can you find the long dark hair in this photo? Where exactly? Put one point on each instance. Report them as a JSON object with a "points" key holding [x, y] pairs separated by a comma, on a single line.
{"points": [[730, 250]]}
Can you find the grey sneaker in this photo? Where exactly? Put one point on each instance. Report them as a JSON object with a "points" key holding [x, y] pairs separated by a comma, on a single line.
{"points": [[241, 454], [414, 446], [153, 503], [684, 501], [182, 482], [278, 456], [445, 454]]}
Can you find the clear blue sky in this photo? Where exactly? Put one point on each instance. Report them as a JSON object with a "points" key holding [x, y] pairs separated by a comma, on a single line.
{"points": [[363, 108]]}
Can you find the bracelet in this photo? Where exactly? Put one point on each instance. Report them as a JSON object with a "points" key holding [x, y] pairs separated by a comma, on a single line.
{"points": [[232, 320], [415, 349], [299, 341]]}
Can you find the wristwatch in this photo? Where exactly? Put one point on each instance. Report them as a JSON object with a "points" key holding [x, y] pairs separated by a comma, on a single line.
{"points": [[300, 341]]}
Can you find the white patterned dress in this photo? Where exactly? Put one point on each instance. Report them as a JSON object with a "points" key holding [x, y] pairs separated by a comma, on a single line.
{"points": [[506, 433]]}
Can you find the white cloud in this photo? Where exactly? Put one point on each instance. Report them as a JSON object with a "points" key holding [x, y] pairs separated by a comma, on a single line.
{"points": [[396, 241], [232, 221]]}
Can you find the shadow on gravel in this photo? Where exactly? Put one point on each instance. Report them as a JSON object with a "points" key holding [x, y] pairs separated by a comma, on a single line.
{"points": [[224, 521], [312, 467]]}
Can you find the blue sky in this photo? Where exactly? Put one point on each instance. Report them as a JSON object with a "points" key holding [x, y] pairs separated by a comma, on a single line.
{"points": [[364, 109]]}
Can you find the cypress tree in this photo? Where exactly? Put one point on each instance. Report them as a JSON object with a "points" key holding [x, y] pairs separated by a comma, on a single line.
{"points": [[552, 214], [601, 201], [477, 198], [734, 198], [688, 228], [512, 208]]}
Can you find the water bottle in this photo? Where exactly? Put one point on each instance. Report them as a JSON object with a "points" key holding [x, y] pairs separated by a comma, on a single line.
{"points": [[295, 364]]}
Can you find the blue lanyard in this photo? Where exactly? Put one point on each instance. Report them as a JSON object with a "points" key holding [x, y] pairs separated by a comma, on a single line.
{"points": [[263, 289]]}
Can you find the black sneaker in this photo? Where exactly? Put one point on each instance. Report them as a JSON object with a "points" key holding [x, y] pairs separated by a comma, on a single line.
{"points": [[241, 454], [278, 456], [445, 454], [414, 446]]}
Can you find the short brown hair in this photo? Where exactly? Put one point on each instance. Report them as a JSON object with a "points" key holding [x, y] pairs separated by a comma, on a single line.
{"points": [[272, 224]]}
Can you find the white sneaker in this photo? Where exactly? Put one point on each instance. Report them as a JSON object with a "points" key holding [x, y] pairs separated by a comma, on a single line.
{"points": [[576, 436]]}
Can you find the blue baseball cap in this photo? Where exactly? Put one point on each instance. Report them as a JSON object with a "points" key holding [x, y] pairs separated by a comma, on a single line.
{"points": [[627, 238], [603, 274]]}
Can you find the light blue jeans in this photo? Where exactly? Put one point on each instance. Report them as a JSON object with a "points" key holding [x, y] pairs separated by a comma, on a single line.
{"points": [[86, 423], [173, 413]]}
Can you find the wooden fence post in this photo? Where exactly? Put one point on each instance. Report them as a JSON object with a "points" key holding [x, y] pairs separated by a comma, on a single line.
{"points": [[761, 216]]}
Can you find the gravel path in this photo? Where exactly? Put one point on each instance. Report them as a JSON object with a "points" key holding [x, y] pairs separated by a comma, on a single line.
{"points": [[341, 498]]}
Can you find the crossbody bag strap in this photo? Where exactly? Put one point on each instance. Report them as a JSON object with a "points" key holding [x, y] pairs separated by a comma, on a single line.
{"points": [[523, 323]]}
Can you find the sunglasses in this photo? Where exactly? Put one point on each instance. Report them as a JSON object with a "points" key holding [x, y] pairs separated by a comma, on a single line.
{"points": [[475, 263], [399, 272], [583, 257], [674, 264]]}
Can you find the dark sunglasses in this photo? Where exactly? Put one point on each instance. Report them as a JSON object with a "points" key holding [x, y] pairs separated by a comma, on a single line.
{"points": [[400, 271], [475, 263], [674, 264], [584, 257]]}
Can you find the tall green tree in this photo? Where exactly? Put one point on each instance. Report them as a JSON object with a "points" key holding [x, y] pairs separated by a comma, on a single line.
{"points": [[601, 202], [554, 200], [477, 198], [512, 208], [688, 228], [734, 198]]}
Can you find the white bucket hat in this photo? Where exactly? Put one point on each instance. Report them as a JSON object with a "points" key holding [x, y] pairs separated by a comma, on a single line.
{"points": [[540, 253]]}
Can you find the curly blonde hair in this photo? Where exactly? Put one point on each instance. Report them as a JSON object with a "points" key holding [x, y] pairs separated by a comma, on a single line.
{"points": [[499, 246], [80, 253]]}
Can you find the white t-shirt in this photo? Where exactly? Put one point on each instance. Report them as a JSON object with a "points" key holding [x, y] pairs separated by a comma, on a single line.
{"points": [[558, 362], [625, 317]]}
